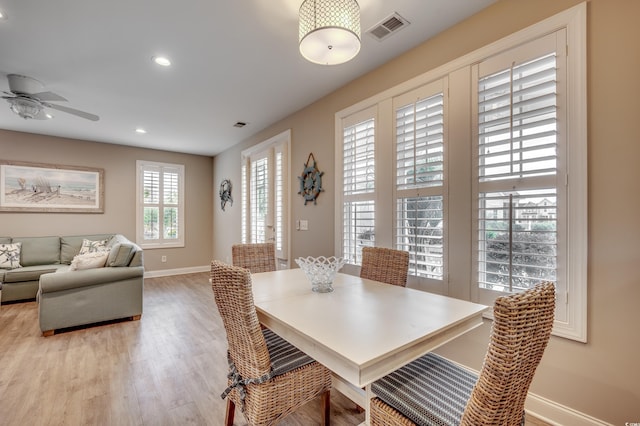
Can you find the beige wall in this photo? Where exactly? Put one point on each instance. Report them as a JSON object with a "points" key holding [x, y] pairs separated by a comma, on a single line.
{"points": [[119, 163], [602, 377]]}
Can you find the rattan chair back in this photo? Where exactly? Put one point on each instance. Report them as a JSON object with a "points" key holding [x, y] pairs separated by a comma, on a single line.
{"points": [[521, 330], [258, 257], [233, 294], [385, 265]]}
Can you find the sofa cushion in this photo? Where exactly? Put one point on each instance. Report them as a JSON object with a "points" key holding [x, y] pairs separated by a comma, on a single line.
{"points": [[39, 250], [93, 246], [90, 260], [70, 246], [28, 273], [10, 256]]}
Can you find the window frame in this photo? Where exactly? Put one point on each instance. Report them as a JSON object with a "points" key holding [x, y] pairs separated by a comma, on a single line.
{"points": [[461, 282], [141, 167]]}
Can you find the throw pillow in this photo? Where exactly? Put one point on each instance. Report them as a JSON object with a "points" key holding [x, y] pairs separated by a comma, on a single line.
{"points": [[10, 256], [120, 254], [89, 246], [96, 259]]}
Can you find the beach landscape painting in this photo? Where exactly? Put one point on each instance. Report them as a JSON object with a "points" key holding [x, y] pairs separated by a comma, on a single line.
{"points": [[33, 187]]}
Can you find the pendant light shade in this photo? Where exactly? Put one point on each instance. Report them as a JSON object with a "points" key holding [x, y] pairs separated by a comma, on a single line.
{"points": [[329, 31]]}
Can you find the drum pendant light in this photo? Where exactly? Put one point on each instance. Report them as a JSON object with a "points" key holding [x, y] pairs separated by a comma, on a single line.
{"points": [[329, 32]]}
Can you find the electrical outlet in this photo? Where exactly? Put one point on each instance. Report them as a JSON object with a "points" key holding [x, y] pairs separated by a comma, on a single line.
{"points": [[163, 259]]}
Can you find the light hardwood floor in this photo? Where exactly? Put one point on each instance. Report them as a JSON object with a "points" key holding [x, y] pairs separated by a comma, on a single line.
{"points": [[169, 368]]}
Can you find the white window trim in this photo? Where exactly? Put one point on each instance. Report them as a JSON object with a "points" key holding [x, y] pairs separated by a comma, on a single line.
{"points": [[160, 243], [574, 21]]}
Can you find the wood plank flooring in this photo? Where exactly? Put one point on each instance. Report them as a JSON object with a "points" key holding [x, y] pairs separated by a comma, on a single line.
{"points": [[169, 368]]}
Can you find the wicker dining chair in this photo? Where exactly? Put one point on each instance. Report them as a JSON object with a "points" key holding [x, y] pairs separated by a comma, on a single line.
{"points": [[386, 265], [434, 391], [257, 257], [268, 377]]}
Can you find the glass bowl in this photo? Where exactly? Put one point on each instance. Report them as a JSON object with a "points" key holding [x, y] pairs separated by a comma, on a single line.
{"points": [[321, 271]]}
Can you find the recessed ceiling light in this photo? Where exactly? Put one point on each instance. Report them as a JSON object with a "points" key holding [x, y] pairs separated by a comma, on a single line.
{"points": [[2, 15], [49, 116], [141, 130], [161, 60], [240, 124]]}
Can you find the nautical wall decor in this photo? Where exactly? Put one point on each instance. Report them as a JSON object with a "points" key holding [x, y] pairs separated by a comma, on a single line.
{"points": [[310, 181], [225, 193]]}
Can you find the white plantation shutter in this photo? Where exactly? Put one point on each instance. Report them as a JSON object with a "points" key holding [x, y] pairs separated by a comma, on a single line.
{"points": [[420, 143], [259, 199], [419, 173], [160, 208], [358, 186], [518, 169]]}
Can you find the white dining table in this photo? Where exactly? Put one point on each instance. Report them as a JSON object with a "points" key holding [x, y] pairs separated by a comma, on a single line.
{"points": [[364, 329]]}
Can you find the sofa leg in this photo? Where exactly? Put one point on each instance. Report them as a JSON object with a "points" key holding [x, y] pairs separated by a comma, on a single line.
{"points": [[48, 333], [136, 317]]}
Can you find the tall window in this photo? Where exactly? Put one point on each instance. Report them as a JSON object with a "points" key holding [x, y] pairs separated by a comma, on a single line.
{"points": [[160, 205], [265, 209], [358, 186], [419, 216]]}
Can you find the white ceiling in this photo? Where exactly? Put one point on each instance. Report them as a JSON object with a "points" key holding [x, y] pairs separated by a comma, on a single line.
{"points": [[233, 60]]}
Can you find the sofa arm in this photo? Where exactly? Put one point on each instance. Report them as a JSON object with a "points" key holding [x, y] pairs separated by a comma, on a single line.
{"points": [[58, 281]]}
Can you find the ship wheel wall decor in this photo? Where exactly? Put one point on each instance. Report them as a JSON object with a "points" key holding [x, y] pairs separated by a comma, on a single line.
{"points": [[310, 181]]}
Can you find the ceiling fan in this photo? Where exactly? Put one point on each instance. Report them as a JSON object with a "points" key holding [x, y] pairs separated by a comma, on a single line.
{"points": [[28, 99]]}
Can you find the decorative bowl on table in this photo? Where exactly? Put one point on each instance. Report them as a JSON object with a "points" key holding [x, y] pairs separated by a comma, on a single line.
{"points": [[321, 271]]}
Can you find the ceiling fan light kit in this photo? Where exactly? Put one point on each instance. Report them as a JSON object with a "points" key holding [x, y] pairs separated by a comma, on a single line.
{"points": [[25, 107], [329, 31]]}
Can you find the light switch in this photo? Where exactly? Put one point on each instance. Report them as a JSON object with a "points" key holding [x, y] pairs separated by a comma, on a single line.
{"points": [[304, 225]]}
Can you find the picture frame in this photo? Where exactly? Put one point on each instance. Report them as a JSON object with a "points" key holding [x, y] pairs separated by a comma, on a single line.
{"points": [[50, 188]]}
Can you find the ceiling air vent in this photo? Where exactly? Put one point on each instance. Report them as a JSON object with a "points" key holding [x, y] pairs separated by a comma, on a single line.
{"points": [[388, 26]]}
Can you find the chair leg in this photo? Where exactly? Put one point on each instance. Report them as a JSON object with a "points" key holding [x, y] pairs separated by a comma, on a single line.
{"points": [[326, 407], [231, 411]]}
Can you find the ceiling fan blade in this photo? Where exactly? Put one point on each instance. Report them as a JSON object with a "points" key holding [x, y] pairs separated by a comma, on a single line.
{"points": [[79, 113], [48, 96]]}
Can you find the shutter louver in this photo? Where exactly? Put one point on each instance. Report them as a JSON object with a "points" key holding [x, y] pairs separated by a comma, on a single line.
{"points": [[517, 121]]}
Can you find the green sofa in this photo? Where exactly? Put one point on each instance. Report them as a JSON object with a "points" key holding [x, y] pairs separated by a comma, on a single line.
{"points": [[68, 297]]}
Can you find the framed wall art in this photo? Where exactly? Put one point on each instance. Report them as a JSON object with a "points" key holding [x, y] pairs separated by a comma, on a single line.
{"points": [[48, 188]]}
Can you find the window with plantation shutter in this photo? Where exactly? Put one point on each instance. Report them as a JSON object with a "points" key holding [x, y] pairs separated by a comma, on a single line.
{"points": [[480, 171], [520, 170], [419, 172], [264, 191], [160, 208], [358, 186]]}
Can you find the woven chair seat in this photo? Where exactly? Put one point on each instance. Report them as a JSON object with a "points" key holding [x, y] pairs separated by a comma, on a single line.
{"points": [[284, 356], [431, 391]]}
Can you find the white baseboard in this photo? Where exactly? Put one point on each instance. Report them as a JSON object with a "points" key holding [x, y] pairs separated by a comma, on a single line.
{"points": [[558, 414], [179, 271]]}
